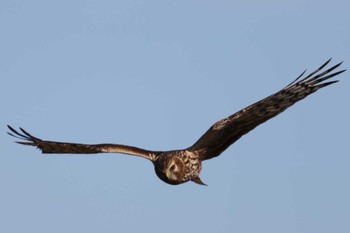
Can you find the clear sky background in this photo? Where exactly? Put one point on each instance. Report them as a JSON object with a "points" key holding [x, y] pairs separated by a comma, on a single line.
{"points": [[157, 75]]}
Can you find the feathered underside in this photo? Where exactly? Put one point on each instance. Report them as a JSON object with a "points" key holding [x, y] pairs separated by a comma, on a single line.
{"points": [[52, 147], [226, 131]]}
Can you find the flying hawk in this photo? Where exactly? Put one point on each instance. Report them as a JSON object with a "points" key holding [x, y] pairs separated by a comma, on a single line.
{"points": [[179, 166]]}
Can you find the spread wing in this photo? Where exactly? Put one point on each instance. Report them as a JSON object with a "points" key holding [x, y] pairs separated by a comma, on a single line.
{"points": [[226, 131], [50, 147]]}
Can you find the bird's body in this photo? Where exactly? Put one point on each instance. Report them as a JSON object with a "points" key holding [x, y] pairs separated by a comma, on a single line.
{"points": [[179, 166]]}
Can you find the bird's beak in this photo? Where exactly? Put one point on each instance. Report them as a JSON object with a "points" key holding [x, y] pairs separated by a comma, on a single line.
{"points": [[167, 174]]}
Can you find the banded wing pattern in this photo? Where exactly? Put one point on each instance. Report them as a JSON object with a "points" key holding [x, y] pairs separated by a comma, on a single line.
{"points": [[226, 131], [52, 147]]}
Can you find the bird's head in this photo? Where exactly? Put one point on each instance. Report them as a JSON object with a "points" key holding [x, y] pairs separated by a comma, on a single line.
{"points": [[170, 169]]}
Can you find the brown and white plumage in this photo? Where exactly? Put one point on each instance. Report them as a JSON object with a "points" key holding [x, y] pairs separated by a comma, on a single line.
{"points": [[179, 166]]}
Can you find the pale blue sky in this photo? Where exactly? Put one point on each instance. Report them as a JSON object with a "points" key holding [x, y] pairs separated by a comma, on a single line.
{"points": [[158, 74]]}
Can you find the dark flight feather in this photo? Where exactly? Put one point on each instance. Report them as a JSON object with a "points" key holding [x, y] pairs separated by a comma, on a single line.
{"points": [[52, 147], [226, 131]]}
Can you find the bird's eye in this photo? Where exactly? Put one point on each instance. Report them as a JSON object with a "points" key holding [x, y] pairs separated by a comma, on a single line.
{"points": [[172, 167]]}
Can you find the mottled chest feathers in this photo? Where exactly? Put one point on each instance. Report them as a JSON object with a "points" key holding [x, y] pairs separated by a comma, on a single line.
{"points": [[177, 167]]}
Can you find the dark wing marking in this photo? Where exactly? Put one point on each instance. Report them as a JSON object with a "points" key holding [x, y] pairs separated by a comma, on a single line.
{"points": [[226, 131], [50, 147]]}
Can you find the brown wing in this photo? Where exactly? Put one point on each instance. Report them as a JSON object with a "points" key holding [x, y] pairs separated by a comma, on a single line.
{"points": [[226, 131], [50, 147]]}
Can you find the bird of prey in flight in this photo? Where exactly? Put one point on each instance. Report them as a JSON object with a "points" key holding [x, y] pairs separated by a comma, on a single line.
{"points": [[179, 166]]}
